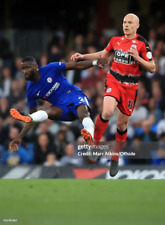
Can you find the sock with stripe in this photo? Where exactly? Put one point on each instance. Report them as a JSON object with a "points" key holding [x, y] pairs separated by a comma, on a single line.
{"points": [[100, 127], [120, 140]]}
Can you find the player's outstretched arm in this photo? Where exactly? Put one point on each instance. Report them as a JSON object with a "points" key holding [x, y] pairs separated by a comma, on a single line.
{"points": [[13, 146], [77, 56], [86, 64]]}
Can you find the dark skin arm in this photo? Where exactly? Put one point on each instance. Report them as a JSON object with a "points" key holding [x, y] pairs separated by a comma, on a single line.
{"points": [[13, 146], [84, 64]]}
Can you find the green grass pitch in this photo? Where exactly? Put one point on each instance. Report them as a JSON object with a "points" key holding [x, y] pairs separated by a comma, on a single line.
{"points": [[83, 202]]}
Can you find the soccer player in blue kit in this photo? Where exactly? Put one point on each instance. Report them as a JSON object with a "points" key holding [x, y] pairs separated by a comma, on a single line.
{"points": [[68, 101]]}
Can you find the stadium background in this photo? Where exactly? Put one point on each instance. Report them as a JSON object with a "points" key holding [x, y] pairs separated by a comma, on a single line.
{"points": [[49, 30], [53, 33]]}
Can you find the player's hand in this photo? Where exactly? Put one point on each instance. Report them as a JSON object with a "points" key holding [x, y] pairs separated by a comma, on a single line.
{"points": [[101, 62], [134, 53], [77, 56], [13, 146]]}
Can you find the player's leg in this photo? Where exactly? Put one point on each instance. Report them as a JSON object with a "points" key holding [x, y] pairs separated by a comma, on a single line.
{"points": [[51, 112], [120, 140], [126, 106], [84, 116], [109, 105]]}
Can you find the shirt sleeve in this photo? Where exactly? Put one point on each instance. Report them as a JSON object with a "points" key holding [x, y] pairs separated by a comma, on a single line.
{"points": [[57, 67], [109, 47], [146, 52]]}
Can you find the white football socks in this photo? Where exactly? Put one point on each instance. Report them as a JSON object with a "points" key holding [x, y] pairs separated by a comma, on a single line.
{"points": [[89, 125], [39, 116]]}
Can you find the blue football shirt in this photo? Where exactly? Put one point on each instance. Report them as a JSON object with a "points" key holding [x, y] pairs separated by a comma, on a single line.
{"points": [[52, 86]]}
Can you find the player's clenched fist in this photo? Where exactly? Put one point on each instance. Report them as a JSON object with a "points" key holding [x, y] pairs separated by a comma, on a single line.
{"points": [[101, 62], [134, 53], [77, 56]]}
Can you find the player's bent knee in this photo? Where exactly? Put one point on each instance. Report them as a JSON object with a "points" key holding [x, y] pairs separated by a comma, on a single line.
{"points": [[107, 115], [82, 112], [122, 125]]}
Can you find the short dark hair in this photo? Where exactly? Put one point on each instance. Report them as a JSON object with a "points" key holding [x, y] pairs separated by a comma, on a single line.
{"points": [[29, 59]]}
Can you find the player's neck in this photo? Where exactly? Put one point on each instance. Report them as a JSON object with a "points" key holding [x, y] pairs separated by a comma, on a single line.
{"points": [[130, 36], [37, 76]]}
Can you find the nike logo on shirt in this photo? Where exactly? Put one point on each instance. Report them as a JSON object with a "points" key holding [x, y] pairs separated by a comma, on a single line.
{"points": [[38, 93]]}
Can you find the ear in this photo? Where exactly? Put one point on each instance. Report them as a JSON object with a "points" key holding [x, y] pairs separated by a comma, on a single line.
{"points": [[138, 26], [36, 66]]}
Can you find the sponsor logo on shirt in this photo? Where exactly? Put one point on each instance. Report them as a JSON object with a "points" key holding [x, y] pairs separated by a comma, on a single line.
{"points": [[54, 88], [123, 57]]}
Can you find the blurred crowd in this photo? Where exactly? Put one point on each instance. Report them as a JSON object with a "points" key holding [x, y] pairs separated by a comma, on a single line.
{"points": [[55, 142]]}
